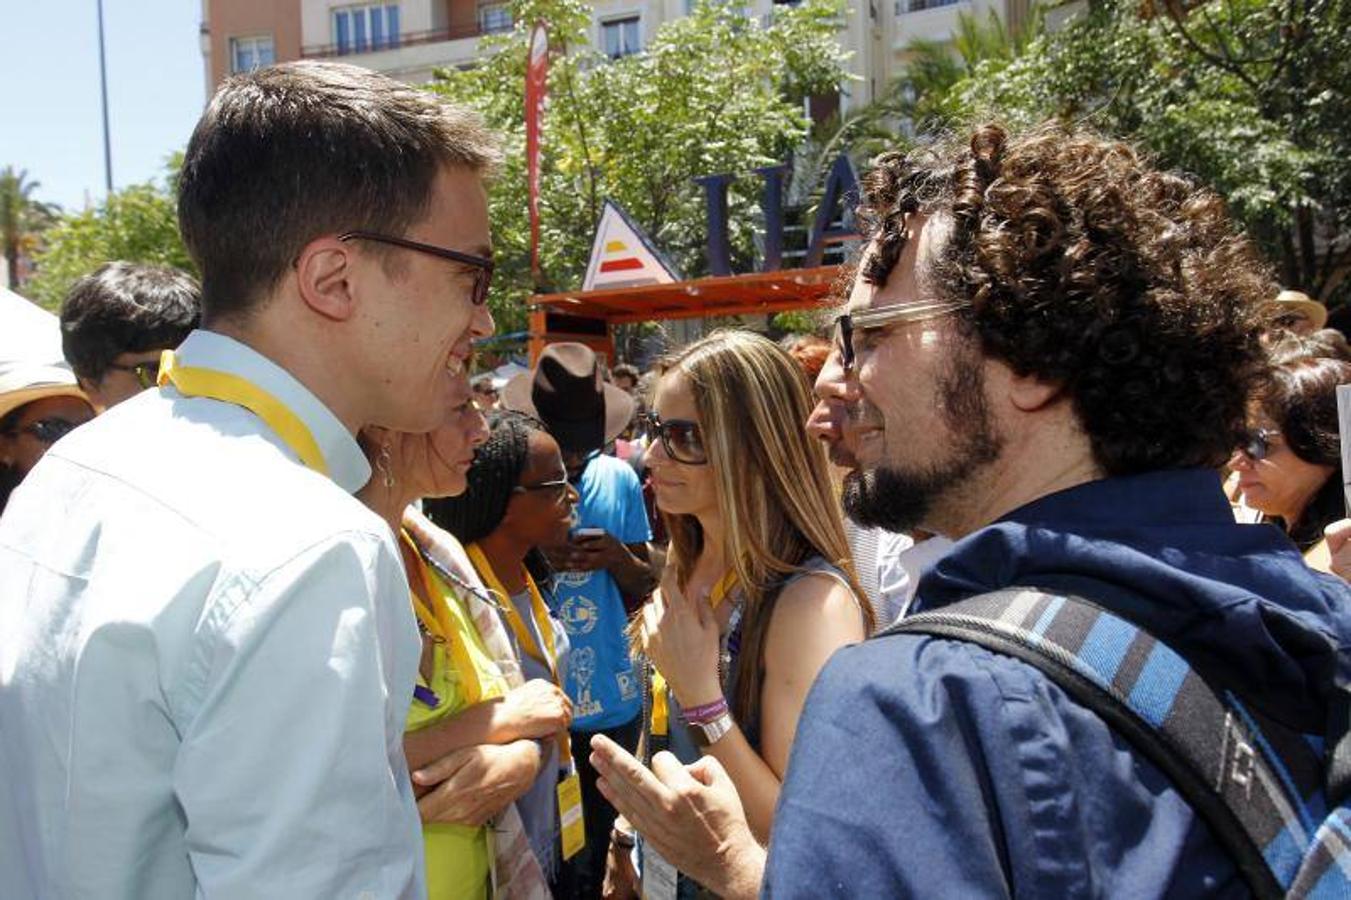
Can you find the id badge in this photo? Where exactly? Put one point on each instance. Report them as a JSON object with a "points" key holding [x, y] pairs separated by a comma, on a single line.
{"points": [[659, 876], [571, 824]]}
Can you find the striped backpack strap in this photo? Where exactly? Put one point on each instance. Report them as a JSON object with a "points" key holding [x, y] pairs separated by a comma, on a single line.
{"points": [[1257, 784]]}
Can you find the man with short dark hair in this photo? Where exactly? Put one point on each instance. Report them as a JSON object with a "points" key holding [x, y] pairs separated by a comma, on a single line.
{"points": [[207, 648], [1046, 355], [625, 377], [116, 321]]}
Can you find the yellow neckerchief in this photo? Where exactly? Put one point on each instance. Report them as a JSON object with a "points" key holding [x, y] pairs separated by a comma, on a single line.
{"points": [[441, 625], [539, 612], [660, 708], [192, 381]]}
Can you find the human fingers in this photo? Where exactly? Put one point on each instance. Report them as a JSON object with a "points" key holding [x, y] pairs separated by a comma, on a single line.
{"points": [[628, 784], [439, 770], [1338, 533]]}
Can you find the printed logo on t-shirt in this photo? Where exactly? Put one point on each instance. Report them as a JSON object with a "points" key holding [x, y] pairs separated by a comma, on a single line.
{"points": [[628, 685], [572, 579], [581, 671], [579, 615]]}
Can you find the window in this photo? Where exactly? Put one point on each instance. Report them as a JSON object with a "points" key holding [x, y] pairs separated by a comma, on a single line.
{"points": [[247, 54], [905, 6], [619, 37], [359, 29], [494, 18]]}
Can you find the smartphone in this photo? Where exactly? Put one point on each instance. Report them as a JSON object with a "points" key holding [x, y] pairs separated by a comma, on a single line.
{"points": [[582, 534]]}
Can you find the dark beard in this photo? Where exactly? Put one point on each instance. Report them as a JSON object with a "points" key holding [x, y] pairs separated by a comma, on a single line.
{"points": [[895, 499]]}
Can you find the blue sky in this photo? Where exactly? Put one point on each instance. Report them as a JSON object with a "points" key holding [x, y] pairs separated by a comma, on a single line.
{"points": [[50, 120]]}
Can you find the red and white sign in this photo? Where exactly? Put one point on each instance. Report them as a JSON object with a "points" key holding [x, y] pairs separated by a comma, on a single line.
{"points": [[536, 84], [622, 256]]}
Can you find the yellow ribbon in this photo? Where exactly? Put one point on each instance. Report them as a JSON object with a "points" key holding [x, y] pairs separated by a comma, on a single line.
{"points": [[193, 381], [539, 612], [441, 625]]}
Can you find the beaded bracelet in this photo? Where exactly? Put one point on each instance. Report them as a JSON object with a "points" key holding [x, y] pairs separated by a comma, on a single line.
{"points": [[702, 715]]}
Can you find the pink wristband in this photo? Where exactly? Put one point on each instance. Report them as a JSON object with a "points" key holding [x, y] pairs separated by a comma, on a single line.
{"points": [[702, 715]]}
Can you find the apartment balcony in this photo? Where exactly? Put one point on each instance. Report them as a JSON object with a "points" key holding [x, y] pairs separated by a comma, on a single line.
{"points": [[392, 44]]}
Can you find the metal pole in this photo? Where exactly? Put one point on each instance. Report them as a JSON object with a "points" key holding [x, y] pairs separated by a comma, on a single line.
{"points": [[103, 83]]}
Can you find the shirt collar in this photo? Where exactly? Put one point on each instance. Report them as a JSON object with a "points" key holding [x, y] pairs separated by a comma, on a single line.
{"points": [[347, 465]]}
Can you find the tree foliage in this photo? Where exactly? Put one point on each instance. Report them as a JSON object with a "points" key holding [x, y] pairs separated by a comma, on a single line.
{"points": [[1250, 96], [23, 218], [714, 91], [138, 224]]}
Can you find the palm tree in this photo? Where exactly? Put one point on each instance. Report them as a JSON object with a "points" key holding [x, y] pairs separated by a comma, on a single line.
{"points": [[22, 218]]}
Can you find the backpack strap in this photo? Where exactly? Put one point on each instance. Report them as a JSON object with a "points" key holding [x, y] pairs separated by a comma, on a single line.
{"points": [[1256, 784]]}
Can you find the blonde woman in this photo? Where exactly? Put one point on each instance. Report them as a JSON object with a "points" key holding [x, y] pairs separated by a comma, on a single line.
{"points": [[759, 590]]}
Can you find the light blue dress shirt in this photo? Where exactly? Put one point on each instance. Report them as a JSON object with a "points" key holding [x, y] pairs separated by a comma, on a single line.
{"points": [[206, 657]]}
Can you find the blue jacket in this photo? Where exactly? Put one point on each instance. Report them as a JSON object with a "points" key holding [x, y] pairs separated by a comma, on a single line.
{"points": [[933, 768]]}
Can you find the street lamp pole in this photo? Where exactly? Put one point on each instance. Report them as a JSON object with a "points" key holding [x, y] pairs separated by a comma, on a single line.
{"points": [[103, 82]]}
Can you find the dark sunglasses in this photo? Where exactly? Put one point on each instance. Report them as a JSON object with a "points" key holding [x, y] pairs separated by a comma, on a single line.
{"points": [[1257, 445], [871, 319], [558, 485], [680, 438], [483, 266], [147, 373], [50, 430]]}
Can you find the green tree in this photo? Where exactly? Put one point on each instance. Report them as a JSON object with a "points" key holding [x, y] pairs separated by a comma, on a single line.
{"points": [[713, 92], [1250, 96], [138, 223], [22, 218]]}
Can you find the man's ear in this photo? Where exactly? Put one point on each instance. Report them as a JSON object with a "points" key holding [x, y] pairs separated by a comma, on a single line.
{"points": [[1028, 393], [324, 272]]}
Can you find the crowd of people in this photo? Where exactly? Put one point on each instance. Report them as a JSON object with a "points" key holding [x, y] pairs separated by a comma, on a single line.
{"points": [[291, 607]]}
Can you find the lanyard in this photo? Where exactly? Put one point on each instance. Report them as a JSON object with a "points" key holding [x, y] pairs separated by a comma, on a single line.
{"points": [[523, 637], [539, 612], [440, 623], [193, 381]]}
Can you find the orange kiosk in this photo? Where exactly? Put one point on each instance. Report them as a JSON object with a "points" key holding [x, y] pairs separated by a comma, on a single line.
{"points": [[587, 317]]}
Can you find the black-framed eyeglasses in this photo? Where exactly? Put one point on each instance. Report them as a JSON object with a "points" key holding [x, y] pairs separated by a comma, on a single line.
{"points": [[868, 319], [483, 266], [559, 487], [146, 373], [50, 430], [1257, 445], [682, 439]]}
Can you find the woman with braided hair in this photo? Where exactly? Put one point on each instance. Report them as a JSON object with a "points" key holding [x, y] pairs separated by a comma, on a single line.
{"points": [[518, 499]]}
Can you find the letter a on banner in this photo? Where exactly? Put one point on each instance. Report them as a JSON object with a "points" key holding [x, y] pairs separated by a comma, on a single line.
{"points": [[536, 83], [622, 256]]}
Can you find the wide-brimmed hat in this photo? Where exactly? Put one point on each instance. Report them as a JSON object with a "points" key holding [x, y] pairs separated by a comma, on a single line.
{"points": [[1302, 303], [566, 392], [23, 382]]}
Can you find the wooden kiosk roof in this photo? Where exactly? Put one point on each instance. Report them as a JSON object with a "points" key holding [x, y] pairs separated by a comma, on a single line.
{"points": [[757, 293]]}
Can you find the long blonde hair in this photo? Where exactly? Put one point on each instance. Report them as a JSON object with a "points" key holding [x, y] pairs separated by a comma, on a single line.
{"points": [[771, 481]]}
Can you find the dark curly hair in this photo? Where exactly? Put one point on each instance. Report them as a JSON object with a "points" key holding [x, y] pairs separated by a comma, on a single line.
{"points": [[1301, 401], [1087, 267]]}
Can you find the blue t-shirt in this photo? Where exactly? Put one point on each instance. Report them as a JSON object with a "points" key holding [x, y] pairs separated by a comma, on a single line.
{"points": [[600, 679]]}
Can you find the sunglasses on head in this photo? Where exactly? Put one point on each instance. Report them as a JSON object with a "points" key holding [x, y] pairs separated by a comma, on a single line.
{"points": [[50, 430], [482, 265], [146, 373], [680, 438], [1257, 445]]}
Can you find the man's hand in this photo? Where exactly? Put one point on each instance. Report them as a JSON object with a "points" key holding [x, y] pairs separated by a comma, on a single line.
{"points": [[1339, 547], [536, 709], [476, 783], [691, 815]]}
